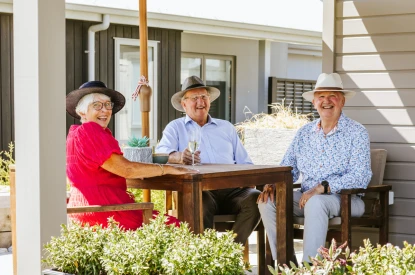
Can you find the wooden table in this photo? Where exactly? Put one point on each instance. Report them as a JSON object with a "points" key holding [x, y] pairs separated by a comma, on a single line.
{"points": [[223, 176]]}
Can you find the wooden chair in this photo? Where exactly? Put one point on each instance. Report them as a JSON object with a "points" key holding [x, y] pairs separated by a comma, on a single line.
{"points": [[376, 201]]}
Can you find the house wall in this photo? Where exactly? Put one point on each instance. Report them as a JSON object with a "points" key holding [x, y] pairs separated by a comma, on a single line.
{"points": [[77, 67], [169, 52], [375, 55], [246, 53]]}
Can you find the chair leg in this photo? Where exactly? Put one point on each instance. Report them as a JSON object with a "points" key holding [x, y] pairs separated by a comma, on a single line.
{"points": [[261, 250], [246, 251], [346, 213], [384, 227]]}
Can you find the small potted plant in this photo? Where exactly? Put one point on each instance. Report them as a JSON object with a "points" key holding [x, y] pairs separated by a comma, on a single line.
{"points": [[138, 150]]}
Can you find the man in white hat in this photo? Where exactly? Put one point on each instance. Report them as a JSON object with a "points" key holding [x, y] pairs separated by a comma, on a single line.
{"points": [[331, 153], [219, 144]]}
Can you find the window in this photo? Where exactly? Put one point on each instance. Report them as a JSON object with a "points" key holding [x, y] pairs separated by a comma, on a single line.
{"points": [[289, 92], [127, 74], [217, 71]]}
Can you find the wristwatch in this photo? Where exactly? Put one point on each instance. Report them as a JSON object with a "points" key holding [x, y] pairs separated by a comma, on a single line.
{"points": [[326, 186]]}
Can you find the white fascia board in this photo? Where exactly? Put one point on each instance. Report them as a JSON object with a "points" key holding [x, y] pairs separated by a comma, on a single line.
{"points": [[196, 25], [305, 50], [188, 24]]}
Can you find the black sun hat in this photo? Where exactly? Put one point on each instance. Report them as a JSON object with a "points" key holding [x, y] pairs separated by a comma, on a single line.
{"points": [[91, 87]]}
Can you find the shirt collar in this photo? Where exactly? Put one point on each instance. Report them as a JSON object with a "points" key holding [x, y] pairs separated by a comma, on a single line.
{"points": [[211, 120], [341, 124]]}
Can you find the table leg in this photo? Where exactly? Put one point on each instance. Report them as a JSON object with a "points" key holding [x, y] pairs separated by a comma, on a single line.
{"points": [[190, 203], [284, 198]]}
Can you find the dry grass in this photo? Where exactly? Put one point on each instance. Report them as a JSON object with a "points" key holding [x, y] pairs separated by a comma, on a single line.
{"points": [[282, 117]]}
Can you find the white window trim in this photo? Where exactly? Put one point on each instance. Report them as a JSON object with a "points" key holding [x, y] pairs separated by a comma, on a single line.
{"points": [[153, 105]]}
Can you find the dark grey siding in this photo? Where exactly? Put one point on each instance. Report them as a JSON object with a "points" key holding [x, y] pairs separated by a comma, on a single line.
{"points": [[77, 67]]}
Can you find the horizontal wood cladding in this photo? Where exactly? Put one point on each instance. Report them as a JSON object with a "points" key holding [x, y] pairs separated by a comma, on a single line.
{"points": [[391, 134], [376, 44], [378, 116], [364, 8], [169, 53], [397, 152], [402, 189], [384, 80], [383, 98], [6, 81], [403, 207], [376, 25], [400, 171], [398, 239], [402, 225], [376, 62]]}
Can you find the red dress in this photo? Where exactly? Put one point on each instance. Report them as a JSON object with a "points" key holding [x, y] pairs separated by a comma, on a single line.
{"points": [[88, 146]]}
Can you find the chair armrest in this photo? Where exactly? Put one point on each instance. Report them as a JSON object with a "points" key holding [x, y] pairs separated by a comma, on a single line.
{"points": [[369, 189], [110, 207]]}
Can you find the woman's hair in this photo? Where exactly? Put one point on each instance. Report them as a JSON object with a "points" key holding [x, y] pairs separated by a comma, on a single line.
{"points": [[84, 102]]}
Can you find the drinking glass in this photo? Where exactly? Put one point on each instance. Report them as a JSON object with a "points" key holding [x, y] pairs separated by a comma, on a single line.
{"points": [[194, 142]]}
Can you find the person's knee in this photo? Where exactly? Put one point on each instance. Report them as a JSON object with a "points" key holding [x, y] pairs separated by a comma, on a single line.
{"points": [[266, 208], [314, 205]]}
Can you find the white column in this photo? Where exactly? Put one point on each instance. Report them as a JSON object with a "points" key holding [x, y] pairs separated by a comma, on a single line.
{"points": [[39, 100], [279, 59], [263, 75]]}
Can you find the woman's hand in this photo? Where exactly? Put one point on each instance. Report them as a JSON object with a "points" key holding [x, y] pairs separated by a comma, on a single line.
{"points": [[268, 192], [174, 170]]}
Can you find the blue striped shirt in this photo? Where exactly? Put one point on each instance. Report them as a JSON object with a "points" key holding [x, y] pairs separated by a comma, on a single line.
{"points": [[220, 142]]}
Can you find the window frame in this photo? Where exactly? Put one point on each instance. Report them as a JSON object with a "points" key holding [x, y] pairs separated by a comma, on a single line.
{"points": [[153, 116], [231, 58]]}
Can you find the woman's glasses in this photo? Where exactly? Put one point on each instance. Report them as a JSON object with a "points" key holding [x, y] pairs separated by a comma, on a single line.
{"points": [[97, 105]]}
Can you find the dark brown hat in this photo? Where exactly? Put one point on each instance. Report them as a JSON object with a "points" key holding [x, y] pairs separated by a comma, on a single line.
{"points": [[91, 87], [190, 83]]}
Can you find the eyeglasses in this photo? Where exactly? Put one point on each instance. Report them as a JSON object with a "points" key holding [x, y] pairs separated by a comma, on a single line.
{"points": [[196, 97], [97, 105]]}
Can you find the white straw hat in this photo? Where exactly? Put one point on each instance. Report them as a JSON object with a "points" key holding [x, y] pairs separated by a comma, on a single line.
{"points": [[328, 83]]}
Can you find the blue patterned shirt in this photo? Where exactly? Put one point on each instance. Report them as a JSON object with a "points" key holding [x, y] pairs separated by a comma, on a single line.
{"points": [[342, 157], [220, 142]]}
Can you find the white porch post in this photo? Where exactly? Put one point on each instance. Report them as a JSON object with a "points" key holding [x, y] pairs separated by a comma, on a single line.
{"points": [[264, 74], [39, 100]]}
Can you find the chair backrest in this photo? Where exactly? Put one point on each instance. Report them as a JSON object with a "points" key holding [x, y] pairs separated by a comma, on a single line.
{"points": [[378, 162]]}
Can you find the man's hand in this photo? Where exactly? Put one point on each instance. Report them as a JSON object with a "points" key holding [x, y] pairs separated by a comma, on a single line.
{"points": [[268, 192], [186, 157], [316, 190]]}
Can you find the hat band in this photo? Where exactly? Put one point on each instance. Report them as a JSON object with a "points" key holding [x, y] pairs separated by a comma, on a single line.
{"points": [[328, 89], [194, 86]]}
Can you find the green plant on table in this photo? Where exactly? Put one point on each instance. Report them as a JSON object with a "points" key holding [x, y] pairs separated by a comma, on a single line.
{"points": [[6, 158], [138, 142]]}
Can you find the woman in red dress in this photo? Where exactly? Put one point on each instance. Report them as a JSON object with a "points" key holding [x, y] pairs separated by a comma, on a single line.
{"points": [[95, 165]]}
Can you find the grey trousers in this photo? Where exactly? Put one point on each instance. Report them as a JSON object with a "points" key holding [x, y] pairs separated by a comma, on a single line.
{"points": [[317, 212], [235, 201]]}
